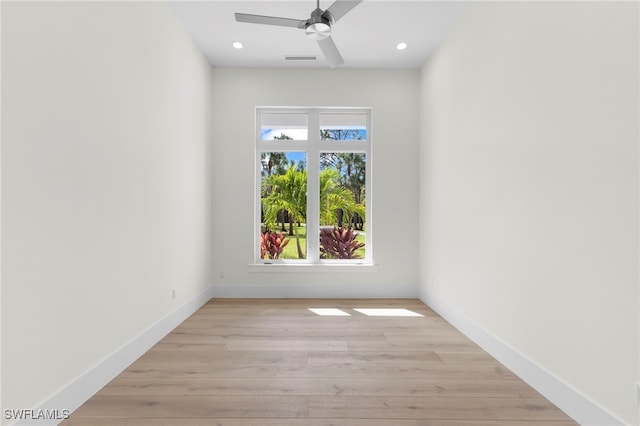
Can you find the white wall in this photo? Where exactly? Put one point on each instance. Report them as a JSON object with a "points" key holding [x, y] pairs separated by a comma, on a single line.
{"points": [[529, 190], [106, 194], [393, 95]]}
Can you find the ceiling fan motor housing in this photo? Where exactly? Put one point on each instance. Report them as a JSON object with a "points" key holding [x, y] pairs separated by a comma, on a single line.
{"points": [[319, 25]]}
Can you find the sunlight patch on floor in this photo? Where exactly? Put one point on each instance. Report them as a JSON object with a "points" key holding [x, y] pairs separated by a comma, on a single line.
{"points": [[387, 312]]}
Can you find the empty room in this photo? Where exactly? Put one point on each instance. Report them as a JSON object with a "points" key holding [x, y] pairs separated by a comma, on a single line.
{"points": [[320, 213]]}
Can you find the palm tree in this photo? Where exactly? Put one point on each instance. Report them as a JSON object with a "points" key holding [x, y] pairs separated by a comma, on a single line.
{"points": [[275, 163], [287, 192], [352, 171], [351, 167], [337, 203]]}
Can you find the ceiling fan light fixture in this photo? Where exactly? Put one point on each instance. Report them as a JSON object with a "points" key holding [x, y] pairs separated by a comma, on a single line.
{"points": [[317, 27], [401, 46], [237, 45], [318, 31]]}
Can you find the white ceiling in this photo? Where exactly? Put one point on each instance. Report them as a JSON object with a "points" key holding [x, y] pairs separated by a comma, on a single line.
{"points": [[367, 36]]}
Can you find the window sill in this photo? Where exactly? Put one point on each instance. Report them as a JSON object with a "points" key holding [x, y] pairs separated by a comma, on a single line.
{"points": [[289, 267]]}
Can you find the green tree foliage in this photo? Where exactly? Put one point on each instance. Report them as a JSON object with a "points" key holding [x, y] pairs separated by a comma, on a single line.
{"points": [[273, 163], [336, 201], [340, 134], [351, 168]]}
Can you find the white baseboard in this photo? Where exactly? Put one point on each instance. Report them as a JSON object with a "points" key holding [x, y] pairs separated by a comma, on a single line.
{"points": [[81, 389], [325, 291], [573, 403]]}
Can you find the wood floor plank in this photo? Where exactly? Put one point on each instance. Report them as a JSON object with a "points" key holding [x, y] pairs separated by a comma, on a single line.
{"points": [[319, 386], [434, 408], [274, 362], [199, 356], [374, 358], [455, 357], [231, 369], [193, 406], [289, 345], [412, 346], [296, 333]]}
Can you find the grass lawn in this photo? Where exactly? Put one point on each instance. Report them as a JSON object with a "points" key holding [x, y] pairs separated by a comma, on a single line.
{"points": [[291, 250]]}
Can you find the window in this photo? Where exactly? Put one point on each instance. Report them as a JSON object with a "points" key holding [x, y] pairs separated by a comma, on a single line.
{"points": [[313, 177]]}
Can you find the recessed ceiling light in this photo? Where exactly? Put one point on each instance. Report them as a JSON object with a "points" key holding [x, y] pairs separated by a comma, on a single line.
{"points": [[237, 45], [401, 46]]}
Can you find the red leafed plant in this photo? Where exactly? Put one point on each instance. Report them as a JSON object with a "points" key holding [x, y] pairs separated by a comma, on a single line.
{"points": [[272, 244], [339, 243]]}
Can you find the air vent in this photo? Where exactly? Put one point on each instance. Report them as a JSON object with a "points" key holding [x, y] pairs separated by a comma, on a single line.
{"points": [[300, 58]]}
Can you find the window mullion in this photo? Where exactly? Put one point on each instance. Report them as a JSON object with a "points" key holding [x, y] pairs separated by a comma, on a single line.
{"points": [[313, 188]]}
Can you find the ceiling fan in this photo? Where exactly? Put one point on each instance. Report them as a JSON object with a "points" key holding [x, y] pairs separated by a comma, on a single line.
{"points": [[317, 27]]}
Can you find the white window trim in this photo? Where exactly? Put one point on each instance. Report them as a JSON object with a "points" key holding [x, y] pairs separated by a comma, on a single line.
{"points": [[313, 146]]}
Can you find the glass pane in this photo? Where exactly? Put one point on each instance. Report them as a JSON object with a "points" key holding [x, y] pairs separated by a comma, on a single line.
{"points": [[283, 126], [342, 205], [335, 127], [283, 217]]}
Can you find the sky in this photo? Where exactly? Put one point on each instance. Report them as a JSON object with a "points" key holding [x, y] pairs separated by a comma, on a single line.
{"points": [[296, 157], [296, 134]]}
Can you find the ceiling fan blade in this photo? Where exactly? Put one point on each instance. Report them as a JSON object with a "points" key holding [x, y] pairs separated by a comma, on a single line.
{"points": [[341, 7], [270, 20], [331, 52]]}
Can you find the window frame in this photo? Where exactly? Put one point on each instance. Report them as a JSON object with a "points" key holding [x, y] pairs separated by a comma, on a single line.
{"points": [[313, 146]]}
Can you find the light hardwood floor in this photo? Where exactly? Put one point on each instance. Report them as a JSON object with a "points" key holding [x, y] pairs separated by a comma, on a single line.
{"points": [[268, 362]]}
